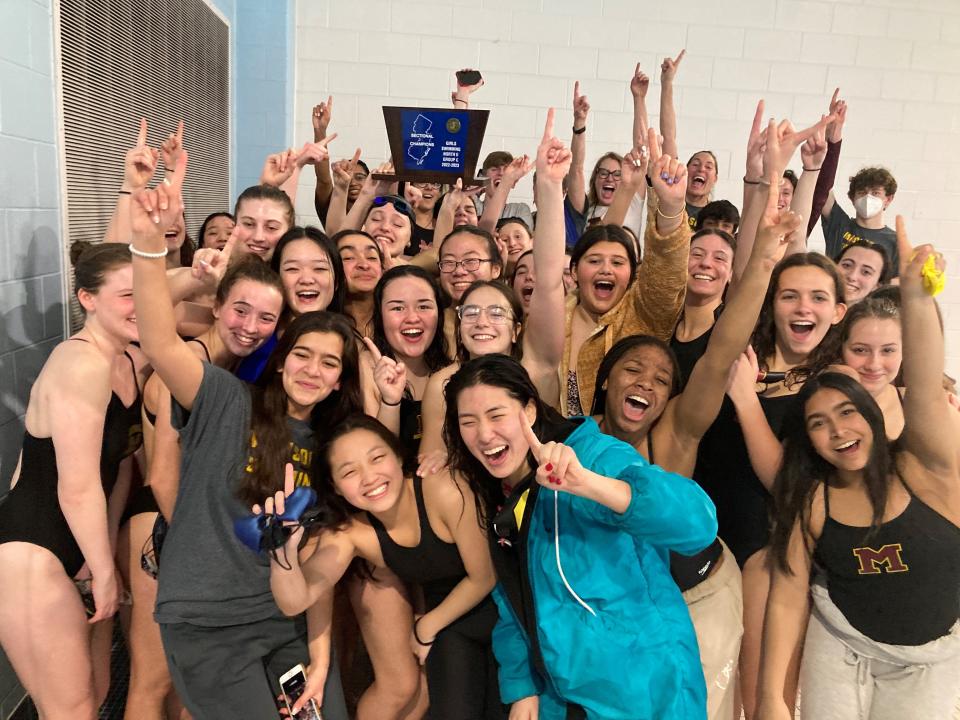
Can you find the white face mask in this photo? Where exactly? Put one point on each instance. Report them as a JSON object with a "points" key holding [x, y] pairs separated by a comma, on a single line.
{"points": [[868, 206]]}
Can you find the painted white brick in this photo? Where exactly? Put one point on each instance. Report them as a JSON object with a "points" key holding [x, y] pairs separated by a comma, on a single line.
{"points": [[449, 53], [883, 52], [347, 77], [942, 147], [950, 29], [606, 95], [855, 19], [807, 109], [660, 38], [942, 206], [495, 91], [740, 74], [313, 76], [721, 104], [705, 12], [775, 105], [930, 117], [509, 5], [366, 16], [314, 13], [540, 26], [390, 48], [474, 22], [318, 43], [939, 57], [620, 64], [696, 71], [518, 121], [829, 48], [905, 85], [598, 32], [569, 7], [610, 127], [855, 82], [716, 41], [913, 25], [769, 44], [506, 56], [948, 89], [529, 90], [897, 145], [421, 19], [804, 16], [798, 77], [428, 83], [568, 62], [744, 13], [884, 114]]}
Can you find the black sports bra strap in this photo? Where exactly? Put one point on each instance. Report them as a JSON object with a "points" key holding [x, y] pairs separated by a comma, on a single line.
{"points": [[421, 504], [206, 351], [78, 338], [826, 499], [650, 447]]}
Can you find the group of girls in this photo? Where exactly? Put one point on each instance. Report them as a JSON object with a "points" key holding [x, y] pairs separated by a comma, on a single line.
{"points": [[533, 502]]}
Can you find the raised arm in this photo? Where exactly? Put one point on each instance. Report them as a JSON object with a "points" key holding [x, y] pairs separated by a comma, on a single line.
{"points": [[697, 407], [497, 200], [457, 509], [658, 292], [812, 154], [639, 84], [368, 192], [633, 181], [82, 392], [151, 212], [343, 171], [139, 166], [321, 196], [668, 111], [461, 96], [543, 336], [576, 181], [823, 200], [929, 432], [763, 446]]}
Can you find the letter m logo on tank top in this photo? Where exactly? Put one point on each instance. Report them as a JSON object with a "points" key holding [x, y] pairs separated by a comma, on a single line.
{"points": [[888, 558]]}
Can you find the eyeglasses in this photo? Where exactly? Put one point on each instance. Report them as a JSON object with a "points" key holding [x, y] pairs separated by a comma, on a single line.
{"points": [[426, 186], [496, 314], [469, 265], [360, 176], [399, 204], [603, 174]]}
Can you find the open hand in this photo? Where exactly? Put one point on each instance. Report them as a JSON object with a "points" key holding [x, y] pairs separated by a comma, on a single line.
{"points": [[515, 171]]}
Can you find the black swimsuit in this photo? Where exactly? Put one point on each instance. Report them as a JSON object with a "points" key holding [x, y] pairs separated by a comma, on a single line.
{"points": [[31, 511], [461, 670]]}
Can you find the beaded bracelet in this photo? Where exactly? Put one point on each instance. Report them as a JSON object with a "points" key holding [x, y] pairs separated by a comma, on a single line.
{"points": [[148, 255]]}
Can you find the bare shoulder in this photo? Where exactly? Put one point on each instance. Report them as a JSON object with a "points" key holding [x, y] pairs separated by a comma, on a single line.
{"points": [[438, 380], [448, 492], [818, 512], [76, 369]]}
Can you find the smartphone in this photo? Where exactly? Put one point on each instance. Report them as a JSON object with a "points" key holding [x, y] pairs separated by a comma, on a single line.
{"points": [[468, 77], [292, 683]]}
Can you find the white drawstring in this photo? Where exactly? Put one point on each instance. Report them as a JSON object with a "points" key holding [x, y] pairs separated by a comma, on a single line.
{"points": [[556, 544]]}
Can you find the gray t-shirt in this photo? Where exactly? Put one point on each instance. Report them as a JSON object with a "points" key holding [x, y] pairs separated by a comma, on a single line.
{"points": [[839, 230], [207, 576]]}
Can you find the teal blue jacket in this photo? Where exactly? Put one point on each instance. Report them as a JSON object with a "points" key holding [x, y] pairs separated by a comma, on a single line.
{"points": [[633, 654]]}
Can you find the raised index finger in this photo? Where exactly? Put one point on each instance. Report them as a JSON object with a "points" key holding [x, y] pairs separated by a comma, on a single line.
{"points": [[231, 243], [180, 132], [680, 57], [548, 126], [904, 248], [532, 440], [374, 350], [288, 484], [142, 134]]}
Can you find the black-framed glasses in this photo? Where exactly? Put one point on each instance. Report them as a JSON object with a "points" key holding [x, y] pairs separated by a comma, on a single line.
{"points": [[426, 185], [399, 204], [496, 314], [469, 265], [603, 174]]}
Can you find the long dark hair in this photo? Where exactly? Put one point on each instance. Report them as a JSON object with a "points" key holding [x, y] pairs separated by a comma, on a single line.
{"points": [[202, 232], [621, 348], [497, 371], [328, 247], [764, 340], [512, 303], [605, 233], [803, 470], [271, 451], [435, 356]]}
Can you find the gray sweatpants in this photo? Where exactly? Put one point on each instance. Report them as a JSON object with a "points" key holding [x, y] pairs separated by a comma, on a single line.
{"points": [[847, 676], [226, 673]]}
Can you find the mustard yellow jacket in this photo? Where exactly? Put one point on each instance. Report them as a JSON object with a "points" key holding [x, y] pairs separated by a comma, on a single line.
{"points": [[651, 306]]}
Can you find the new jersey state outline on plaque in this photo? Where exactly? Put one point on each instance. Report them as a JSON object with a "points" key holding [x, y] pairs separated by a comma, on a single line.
{"points": [[422, 140]]}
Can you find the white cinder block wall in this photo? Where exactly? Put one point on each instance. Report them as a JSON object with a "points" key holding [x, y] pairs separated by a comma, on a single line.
{"points": [[897, 62]]}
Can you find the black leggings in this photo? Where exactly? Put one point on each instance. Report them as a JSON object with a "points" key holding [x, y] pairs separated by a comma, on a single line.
{"points": [[461, 669]]}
